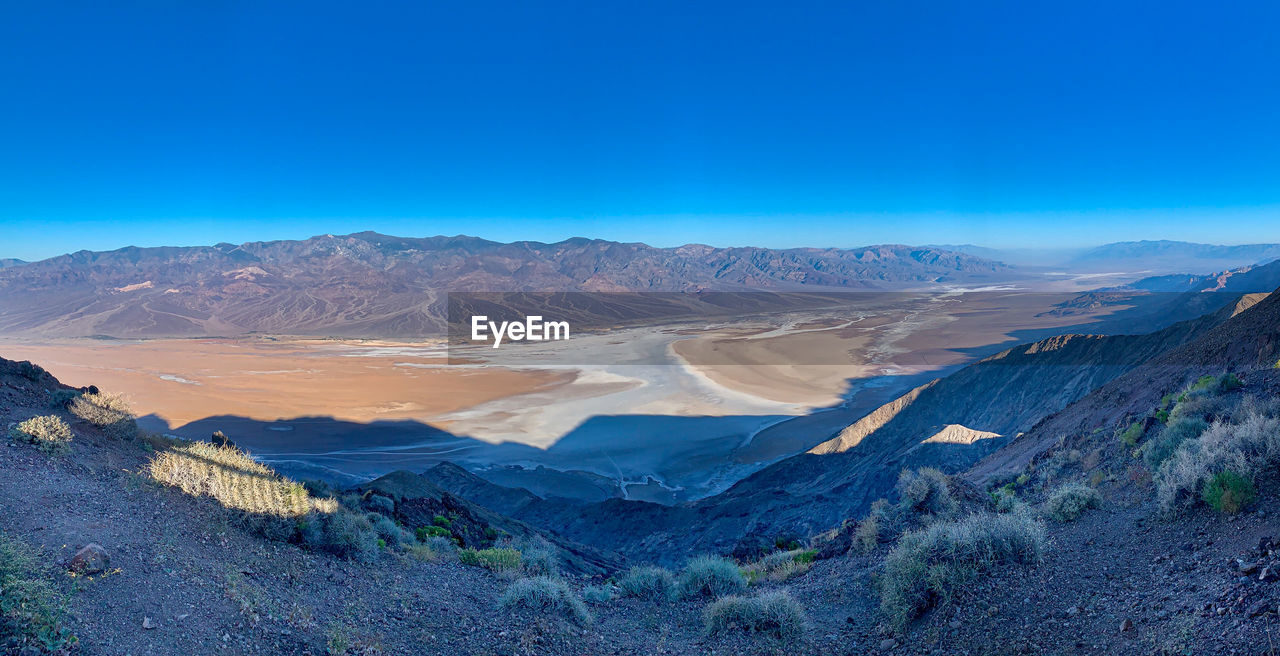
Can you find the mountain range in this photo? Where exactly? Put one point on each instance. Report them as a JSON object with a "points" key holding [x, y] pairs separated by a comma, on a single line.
{"points": [[372, 285]]}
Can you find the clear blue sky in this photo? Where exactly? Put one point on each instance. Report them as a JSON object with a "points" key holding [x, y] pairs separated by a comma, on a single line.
{"points": [[777, 124]]}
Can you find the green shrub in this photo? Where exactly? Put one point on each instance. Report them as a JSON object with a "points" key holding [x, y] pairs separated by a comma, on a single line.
{"points": [[31, 611], [424, 533], [1131, 435], [648, 583], [49, 433], [59, 399], [499, 559], [771, 613], [1069, 501], [442, 522], [109, 412], [711, 576], [390, 532], [930, 564], [599, 594], [545, 594], [1228, 492], [1177, 431], [1246, 448], [1005, 499]]}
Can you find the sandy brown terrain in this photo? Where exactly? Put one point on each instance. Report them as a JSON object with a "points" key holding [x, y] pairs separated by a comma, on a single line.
{"points": [[183, 380]]}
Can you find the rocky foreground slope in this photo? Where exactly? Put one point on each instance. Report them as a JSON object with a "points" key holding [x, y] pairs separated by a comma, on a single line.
{"points": [[1138, 518]]}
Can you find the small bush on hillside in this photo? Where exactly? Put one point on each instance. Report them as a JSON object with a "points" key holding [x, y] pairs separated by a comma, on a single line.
{"points": [[109, 412], [540, 561], [771, 613], [424, 533], [59, 399], [389, 531], [1131, 435], [930, 564], [1069, 501], [872, 529], [711, 576], [31, 610], [1228, 492], [1246, 448], [1005, 500], [349, 535], [926, 491], [545, 594], [49, 433], [1177, 431], [648, 583], [498, 559], [780, 566], [599, 594], [433, 549], [235, 480]]}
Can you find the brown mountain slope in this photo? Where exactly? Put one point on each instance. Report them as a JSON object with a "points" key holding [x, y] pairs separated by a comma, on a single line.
{"points": [[374, 285]]}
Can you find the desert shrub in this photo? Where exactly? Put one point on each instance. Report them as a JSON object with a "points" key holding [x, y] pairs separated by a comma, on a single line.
{"points": [[1005, 500], [110, 412], [390, 532], [498, 559], [235, 480], [380, 504], [1228, 492], [870, 529], [926, 491], [540, 561], [1245, 448], [423, 533], [433, 549], [781, 565], [1066, 503], [442, 521], [710, 576], [599, 594], [349, 535], [771, 613], [49, 433], [930, 564], [59, 399], [1177, 431], [1131, 435], [31, 611], [648, 583], [546, 594]]}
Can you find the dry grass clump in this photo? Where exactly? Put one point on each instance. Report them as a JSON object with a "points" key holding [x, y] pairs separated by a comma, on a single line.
{"points": [[1246, 448], [930, 564], [1179, 429], [599, 594], [49, 433], [235, 480], [771, 613], [498, 559], [110, 412], [648, 583], [545, 594], [780, 565], [711, 576], [927, 492], [1067, 503]]}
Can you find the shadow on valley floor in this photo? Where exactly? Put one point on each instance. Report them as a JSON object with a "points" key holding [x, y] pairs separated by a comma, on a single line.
{"points": [[660, 458]]}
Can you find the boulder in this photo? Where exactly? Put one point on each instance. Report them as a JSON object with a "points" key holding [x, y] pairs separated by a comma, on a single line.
{"points": [[90, 559]]}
